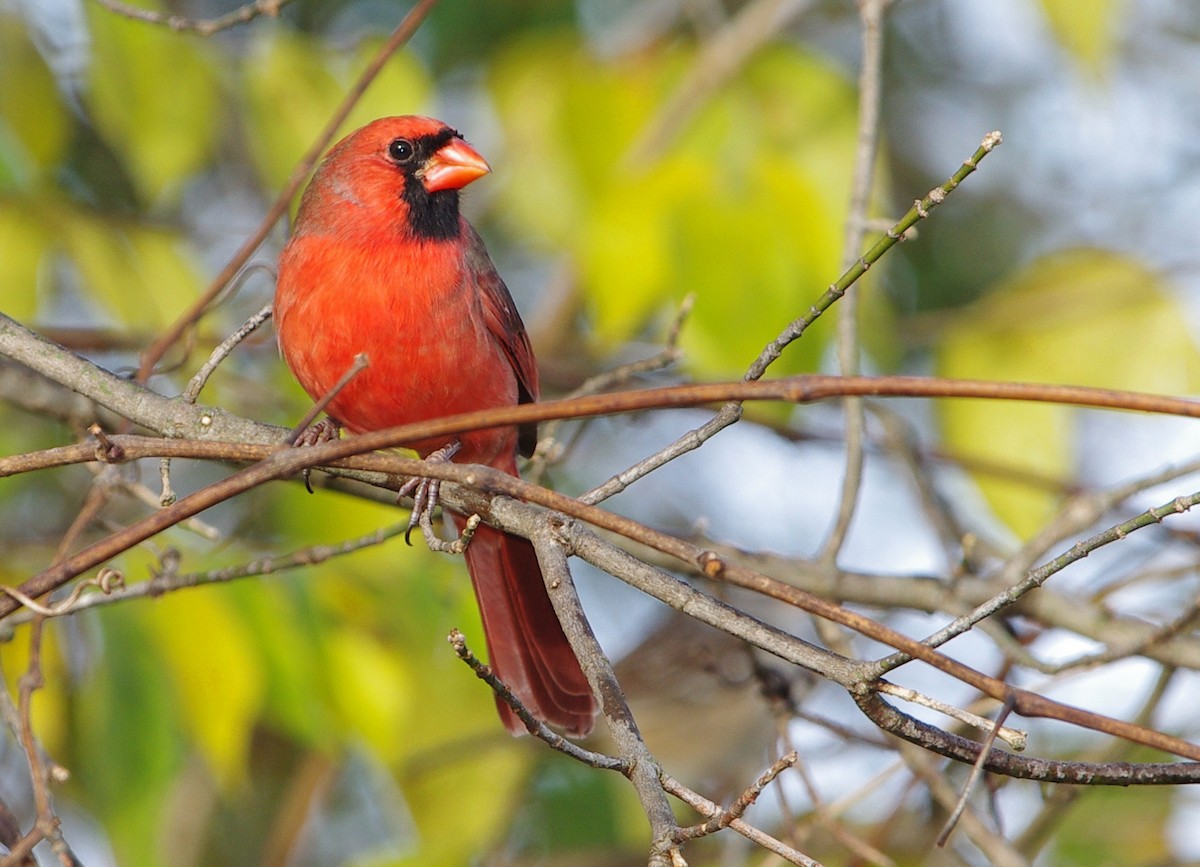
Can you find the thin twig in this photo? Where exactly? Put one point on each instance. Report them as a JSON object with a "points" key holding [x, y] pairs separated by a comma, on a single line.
{"points": [[901, 440], [169, 580], [107, 581], [870, 88], [705, 807], [47, 824], [536, 727], [221, 352], [289, 461], [1039, 576], [1056, 803], [998, 851], [973, 778], [1143, 645], [744, 801], [1015, 738], [204, 26], [548, 450], [240, 436], [361, 363], [718, 60], [167, 496]]}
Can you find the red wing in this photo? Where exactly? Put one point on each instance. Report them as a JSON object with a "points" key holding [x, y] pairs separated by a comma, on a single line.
{"points": [[505, 325]]}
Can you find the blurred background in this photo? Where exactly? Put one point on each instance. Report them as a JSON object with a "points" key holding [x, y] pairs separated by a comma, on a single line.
{"points": [[643, 151]]}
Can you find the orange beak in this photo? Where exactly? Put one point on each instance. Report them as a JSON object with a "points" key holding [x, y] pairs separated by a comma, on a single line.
{"points": [[452, 166]]}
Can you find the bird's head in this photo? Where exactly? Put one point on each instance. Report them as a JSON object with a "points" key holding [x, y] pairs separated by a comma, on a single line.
{"points": [[403, 172]]}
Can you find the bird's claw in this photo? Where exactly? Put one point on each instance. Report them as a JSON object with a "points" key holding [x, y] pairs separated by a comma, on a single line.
{"points": [[324, 431], [455, 546], [425, 495], [425, 492]]}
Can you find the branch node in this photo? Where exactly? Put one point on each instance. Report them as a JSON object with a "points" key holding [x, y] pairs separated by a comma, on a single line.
{"points": [[711, 564], [106, 450]]}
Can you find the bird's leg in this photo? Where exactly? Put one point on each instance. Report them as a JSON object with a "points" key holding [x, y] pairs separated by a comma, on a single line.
{"points": [[323, 431], [424, 492]]}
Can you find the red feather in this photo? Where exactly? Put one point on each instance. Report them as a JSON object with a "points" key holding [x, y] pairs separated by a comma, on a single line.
{"points": [[381, 262]]}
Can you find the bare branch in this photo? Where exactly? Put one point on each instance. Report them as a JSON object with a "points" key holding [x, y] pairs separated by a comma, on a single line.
{"points": [[705, 807], [536, 727], [870, 78], [643, 770], [202, 27]]}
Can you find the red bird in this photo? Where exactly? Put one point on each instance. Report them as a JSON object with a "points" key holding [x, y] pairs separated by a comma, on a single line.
{"points": [[381, 262]]}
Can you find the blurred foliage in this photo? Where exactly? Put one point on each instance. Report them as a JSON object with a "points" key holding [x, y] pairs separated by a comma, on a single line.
{"points": [[35, 125], [1086, 28], [281, 128], [742, 205], [206, 727], [1091, 836], [154, 99], [1066, 318]]}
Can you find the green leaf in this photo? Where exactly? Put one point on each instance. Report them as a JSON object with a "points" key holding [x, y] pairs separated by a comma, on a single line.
{"points": [[154, 96], [128, 744], [1090, 836], [571, 809], [1082, 317], [287, 640], [395, 604]]}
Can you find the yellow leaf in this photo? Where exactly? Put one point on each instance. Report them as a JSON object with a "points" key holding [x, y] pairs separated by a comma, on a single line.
{"points": [[216, 672], [33, 124], [539, 187], [23, 244], [402, 87], [294, 84], [154, 96], [1083, 317], [742, 206], [460, 807], [141, 275], [625, 254], [50, 717], [1086, 28], [373, 690]]}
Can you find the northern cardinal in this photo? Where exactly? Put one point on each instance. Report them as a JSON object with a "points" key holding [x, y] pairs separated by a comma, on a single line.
{"points": [[381, 262]]}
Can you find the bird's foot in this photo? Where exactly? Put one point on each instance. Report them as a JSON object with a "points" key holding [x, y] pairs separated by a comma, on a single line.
{"points": [[323, 431], [424, 492]]}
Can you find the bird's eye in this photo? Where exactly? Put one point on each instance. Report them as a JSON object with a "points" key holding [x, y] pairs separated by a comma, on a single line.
{"points": [[401, 150]]}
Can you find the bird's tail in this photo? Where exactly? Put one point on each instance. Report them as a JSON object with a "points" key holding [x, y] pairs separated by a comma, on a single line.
{"points": [[526, 645]]}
